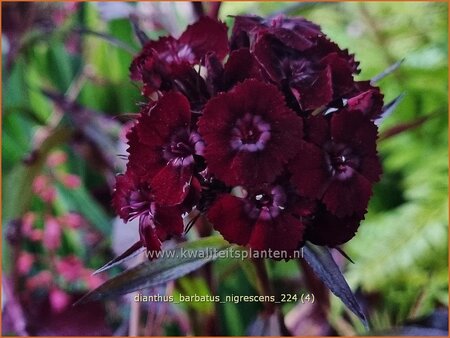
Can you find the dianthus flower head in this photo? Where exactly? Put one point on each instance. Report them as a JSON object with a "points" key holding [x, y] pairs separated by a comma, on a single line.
{"points": [[325, 228], [275, 113], [266, 217], [134, 199], [167, 63], [339, 163], [249, 134], [163, 148], [296, 55]]}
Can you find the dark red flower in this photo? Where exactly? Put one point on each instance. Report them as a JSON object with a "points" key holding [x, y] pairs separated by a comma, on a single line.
{"points": [[327, 229], [282, 120], [340, 163], [294, 32], [323, 46], [133, 198], [267, 217], [315, 79], [163, 148], [167, 63], [249, 133], [367, 99], [240, 66], [298, 57]]}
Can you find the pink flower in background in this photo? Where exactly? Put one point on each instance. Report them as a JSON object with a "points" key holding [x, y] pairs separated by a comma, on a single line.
{"points": [[56, 158], [59, 300], [25, 262], [43, 279], [69, 180], [70, 268], [28, 229], [92, 281], [27, 223], [42, 186], [52, 233], [72, 220]]}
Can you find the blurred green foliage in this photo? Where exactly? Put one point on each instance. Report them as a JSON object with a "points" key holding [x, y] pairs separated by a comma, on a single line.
{"points": [[401, 248]]}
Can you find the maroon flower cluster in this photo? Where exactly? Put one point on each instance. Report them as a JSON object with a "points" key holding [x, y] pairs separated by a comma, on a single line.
{"points": [[276, 145]]}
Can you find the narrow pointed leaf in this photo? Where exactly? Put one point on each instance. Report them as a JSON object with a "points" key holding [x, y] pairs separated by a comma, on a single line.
{"points": [[344, 254], [265, 325], [389, 108], [323, 264], [107, 37], [398, 129], [131, 252], [140, 34], [198, 9], [174, 264], [389, 70]]}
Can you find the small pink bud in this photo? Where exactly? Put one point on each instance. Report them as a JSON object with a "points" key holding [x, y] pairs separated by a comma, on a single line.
{"points": [[36, 235], [27, 223], [40, 183], [72, 44], [70, 268], [43, 188], [49, 195], [72, 220], [42, 280], [24, 263], [52, 234], [70, 181], [56, 158], [58, 300]]}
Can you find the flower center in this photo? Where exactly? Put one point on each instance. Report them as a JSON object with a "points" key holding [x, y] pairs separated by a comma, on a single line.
{"points": [[139, 202], [250, 133], [177, 54], [341, 160], [267, 205], [182, 146]]}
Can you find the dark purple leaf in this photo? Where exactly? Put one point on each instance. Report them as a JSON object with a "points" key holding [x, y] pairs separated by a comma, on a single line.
{"points": [[268, 325], [131, 252], [140, 34], [175, 263], [398, 129], [323, 264], [434, 324]]}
